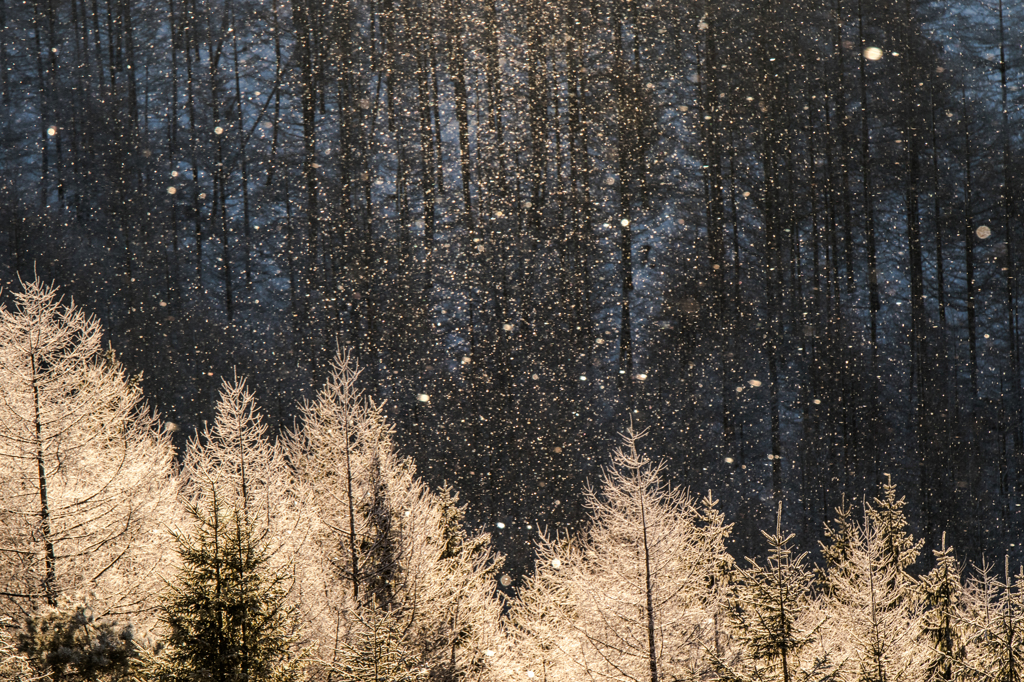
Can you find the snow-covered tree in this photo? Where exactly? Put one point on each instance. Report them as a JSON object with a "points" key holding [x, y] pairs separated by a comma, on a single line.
{"points": [[943, 626], [74, 645], [993, 619], [642, 596], [85, 467], [233, 462], [543, 642], [776, 618], [874, 628], [378, 652], [386, 542]]}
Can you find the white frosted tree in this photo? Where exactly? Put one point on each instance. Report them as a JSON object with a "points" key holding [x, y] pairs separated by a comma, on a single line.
{"points": [[943, 592], [875, 623], [643, 596], [543, 640], [386, 543], [992, 618], [85, 468]]}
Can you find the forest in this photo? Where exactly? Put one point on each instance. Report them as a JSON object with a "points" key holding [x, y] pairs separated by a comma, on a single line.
{"points": [[780, 237], [321, 555]]}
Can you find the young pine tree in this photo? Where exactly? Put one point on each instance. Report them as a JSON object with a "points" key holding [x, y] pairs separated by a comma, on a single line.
{"points": [[85, 468], [230, 610], [73, 645], [943, 591], [774, 616]]}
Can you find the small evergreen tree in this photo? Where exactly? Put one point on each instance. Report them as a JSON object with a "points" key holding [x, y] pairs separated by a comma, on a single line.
{"points": [[770, 601], [899, 549], [378, 653], [72, 644], [994, 612], [227, 610], [942, 590], [874, 624]]}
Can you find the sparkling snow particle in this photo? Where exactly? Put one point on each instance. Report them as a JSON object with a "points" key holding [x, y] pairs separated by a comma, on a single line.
{"points": [[174, 174], [641, 376], [583, 377], [506, 580], [984, 232], [423, 398], [609, 181], [507, 327], [500, 525], [172, 190], [872, 53], [754, 382], [555, 563], [624, 222], [488, 652], [51, 131], [218, 131], [558, 450], [729, 460], [466, 360], [529, 673], [534, 377], [817, 401]]}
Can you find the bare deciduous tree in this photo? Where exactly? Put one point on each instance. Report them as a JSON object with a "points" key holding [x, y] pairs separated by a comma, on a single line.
{"points": [[85, 467]]}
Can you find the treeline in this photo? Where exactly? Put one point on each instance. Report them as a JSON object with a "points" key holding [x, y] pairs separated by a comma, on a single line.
{"points": [[320, 555], [784, 232]]}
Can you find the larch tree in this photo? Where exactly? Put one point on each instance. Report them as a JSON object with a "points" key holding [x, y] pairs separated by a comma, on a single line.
{"points": [[85, 467], [643, 596], [386, 542]]}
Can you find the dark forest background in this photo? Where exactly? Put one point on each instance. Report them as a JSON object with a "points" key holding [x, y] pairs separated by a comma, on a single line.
{"points": [[783, 234]]}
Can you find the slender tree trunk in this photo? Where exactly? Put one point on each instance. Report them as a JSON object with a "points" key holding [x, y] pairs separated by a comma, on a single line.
{"points": [[50, 579]]}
